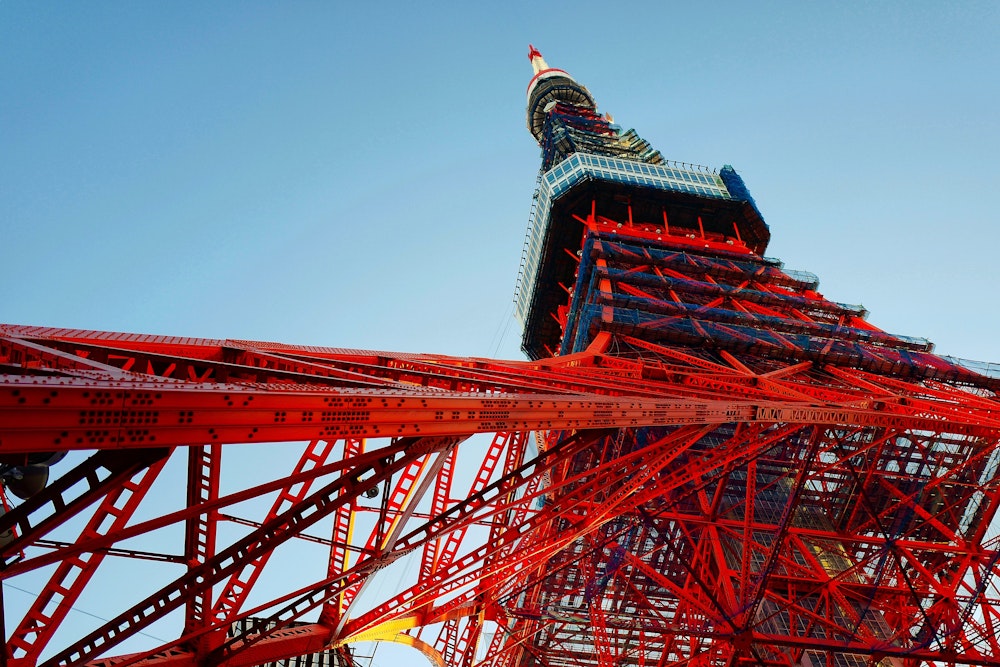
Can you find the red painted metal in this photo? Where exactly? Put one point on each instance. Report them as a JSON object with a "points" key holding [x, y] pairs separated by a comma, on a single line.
{"points": [[67, 583], [535, 508], [238, 587], [204, 465]]}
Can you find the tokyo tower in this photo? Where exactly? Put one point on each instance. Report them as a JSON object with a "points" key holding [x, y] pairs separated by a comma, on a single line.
{"points": [[704, 462]]}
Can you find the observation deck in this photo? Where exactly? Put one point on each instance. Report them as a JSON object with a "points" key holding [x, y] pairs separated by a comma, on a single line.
{"points": [[673, 202]]}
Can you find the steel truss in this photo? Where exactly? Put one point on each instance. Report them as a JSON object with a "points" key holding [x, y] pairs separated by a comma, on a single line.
{"points": [[676, 511]]}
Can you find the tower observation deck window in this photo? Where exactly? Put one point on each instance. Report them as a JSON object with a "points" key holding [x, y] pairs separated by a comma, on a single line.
{"points": [[582, 166]]}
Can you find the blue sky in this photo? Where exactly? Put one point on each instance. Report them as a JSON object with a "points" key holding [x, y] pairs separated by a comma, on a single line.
{"points": [[332, 173], [359, 174]]}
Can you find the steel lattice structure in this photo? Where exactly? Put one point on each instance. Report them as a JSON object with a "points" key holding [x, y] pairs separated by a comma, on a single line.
{"points": [[705, 462]]}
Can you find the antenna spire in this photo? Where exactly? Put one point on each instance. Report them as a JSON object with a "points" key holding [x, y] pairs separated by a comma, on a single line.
{"points": [[548, 86], [537, 61]]}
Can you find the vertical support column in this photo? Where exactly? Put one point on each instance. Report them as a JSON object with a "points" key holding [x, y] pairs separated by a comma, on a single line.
{"points": [[343, 531], [465, 651], [593, 596], [442, 494], [204, 464], [448, 640], [748, 526]]}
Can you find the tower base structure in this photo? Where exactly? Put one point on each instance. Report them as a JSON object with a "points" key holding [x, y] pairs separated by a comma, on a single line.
{"points": [[629, 504]]}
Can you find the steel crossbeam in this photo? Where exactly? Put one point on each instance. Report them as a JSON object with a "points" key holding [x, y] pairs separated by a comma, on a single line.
{"points": [[770, 407]]}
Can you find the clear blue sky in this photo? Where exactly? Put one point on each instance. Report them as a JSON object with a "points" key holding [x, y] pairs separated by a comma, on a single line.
{"points": [[359, 174]]}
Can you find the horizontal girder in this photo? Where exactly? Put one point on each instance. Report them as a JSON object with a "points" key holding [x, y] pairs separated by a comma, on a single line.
{"points": [[678, 502]]}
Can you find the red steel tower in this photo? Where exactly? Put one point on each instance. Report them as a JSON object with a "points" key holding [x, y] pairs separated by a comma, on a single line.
{"points": [[704, 462]]}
